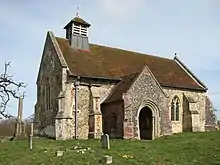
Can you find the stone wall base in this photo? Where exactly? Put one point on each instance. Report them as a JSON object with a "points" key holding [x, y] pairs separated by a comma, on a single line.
{"points": [[128, 131], [93, 135], [210, 128], [64, 128], [20, 130], [95, 126]]}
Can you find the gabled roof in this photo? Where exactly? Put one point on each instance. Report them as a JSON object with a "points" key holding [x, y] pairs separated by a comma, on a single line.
{"points": [[122, 87], [126, 83], [107, 62], [78, 20], [51, 41]]}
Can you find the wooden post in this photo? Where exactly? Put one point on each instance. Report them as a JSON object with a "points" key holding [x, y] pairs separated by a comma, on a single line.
{"points": [[32, 129], [76, 84], [30, 142], [30, 137]]}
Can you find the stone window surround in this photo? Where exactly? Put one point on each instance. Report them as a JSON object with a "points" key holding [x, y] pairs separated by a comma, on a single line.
{"points": [[175, 101]]}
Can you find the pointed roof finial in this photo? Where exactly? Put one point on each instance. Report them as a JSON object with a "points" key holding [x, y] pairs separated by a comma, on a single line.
{"points": [[77, 11], [175, 56]]}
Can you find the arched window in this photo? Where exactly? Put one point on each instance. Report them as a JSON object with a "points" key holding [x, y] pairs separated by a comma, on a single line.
{"points": [[175, 109]]}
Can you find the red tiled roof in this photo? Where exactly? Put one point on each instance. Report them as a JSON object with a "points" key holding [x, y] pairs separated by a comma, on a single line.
{"points": [[122, 87], [106, 62]]}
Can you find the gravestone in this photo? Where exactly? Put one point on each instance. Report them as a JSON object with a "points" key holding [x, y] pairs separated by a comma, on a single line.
{"points": [[105, 141], [59, 153], [106, 159]]}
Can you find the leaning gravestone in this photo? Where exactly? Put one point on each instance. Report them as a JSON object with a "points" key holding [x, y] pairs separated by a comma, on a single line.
{"points": [[105, 141]]}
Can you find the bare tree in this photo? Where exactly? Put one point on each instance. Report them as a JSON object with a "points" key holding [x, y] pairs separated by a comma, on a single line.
{"points": [[8, 89]]}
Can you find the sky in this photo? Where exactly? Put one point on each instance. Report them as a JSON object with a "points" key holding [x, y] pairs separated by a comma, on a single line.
{"points": [[188, 28]]}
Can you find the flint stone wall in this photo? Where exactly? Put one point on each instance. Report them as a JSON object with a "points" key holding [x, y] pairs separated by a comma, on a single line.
{"points": [[50, 74], [199, 97], [145, 89]]}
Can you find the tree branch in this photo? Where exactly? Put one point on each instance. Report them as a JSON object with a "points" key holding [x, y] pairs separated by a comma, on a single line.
{"points": [[8, 89]]}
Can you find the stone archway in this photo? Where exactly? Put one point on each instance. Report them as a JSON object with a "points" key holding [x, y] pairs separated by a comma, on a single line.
{"points": [[151, 113], [146, 124]]}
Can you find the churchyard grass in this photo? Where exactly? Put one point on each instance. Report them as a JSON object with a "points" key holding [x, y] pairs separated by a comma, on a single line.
{"points": [[184, 149]]}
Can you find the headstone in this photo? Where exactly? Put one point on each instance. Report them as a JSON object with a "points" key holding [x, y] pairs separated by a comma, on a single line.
{"points": [[59, 153], [75, 147], [106, 159], [105, 141]]}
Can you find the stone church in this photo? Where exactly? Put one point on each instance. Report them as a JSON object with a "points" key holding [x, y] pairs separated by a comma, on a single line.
{"points": [[85, 90]]}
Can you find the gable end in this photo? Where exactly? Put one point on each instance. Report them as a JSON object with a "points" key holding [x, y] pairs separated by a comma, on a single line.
{"points": [[51, 38], [190, 73]]}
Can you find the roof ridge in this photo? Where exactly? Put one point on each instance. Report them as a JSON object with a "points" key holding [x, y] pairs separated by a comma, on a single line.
{"points": [[110, 62], [132, 51], [126, 50]]}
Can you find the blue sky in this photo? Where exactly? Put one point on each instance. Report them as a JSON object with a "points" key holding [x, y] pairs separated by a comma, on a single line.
{"points": [[190, 28]]}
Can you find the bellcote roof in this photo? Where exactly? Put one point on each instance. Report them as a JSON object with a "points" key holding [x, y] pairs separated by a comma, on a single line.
{"points": [[78, 20]]}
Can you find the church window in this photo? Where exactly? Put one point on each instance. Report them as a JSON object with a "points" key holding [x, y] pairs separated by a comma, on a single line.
{"points": [[175, 109]]}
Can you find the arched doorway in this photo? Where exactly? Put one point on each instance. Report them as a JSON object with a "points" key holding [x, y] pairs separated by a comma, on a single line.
{"points": [[146, 124]]}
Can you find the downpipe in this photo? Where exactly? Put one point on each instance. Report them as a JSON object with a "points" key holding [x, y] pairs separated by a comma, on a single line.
{"points": [[76, 84]]}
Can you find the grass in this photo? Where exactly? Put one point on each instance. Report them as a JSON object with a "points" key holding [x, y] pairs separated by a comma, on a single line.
{"points": [[185, 148]]}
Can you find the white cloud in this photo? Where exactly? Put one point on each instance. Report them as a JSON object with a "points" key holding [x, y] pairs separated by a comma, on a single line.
{"points": [[123, 9]]}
